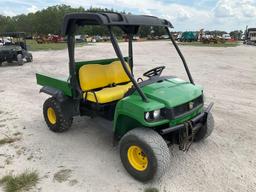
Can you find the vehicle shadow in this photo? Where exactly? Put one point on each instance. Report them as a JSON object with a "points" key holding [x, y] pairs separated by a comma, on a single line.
{"points": [[12, 64], [98, 128]]}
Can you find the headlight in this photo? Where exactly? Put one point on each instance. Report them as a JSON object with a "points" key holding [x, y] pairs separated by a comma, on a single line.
{"points": [[156, 114], [147, 116], [153, 115]]}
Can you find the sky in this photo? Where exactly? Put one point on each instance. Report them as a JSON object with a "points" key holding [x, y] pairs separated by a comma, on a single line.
{"points": [[185, 15]]}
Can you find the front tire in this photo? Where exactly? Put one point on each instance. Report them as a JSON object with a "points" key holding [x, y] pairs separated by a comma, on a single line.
{"points": [[54, 116], [144, 154], [206, 130]]}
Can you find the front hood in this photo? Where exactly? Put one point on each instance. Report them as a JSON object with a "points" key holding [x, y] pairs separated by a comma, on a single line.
{"points": [[172, 92]]}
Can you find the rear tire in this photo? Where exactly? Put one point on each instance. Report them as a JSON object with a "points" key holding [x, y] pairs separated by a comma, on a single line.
{"points": [[206, 130], [54, 116], [29, 58], [20, 59], [144, 154]]}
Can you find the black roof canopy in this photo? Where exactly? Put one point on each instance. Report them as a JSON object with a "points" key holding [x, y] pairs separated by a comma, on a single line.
{"points": [[124, 21]]}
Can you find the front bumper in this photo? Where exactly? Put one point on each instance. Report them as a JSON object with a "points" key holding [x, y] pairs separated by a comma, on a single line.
{"points": [[195, 122]]}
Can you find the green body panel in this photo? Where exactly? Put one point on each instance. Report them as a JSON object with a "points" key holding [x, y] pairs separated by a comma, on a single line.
{"points": [[59, 84], [130, 111], [172, 92]]}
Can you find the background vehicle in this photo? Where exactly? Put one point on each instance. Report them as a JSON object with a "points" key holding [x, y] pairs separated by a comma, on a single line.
{"points": [[189, 36], [15, 49], [147, 115], [79, 38], [226, 36], [250, 36]]}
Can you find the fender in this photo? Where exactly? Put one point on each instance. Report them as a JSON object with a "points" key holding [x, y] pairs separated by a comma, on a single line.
{"points": [[53, 92], [69, 106]]}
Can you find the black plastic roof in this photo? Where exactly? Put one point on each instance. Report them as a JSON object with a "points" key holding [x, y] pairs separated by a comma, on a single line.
{"points": [[112, 19]]}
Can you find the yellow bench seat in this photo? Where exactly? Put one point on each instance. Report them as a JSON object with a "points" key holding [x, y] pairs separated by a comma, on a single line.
{"points": [[96, 80], [108, 94]]}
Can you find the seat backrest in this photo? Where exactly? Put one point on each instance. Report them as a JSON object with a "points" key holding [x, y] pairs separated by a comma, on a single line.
{"points": [[93, 76], [118, 75]]}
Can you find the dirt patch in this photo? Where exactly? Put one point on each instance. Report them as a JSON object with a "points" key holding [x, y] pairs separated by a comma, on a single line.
{"points": [[62, 175], [151, 190], [8, 140], [17, 134], [72, 182]]}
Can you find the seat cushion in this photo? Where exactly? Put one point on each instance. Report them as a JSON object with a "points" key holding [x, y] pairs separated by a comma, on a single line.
{"points": [[108, 94]]}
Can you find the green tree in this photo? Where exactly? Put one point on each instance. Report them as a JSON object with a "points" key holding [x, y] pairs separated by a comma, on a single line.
{"points": [[237, 34]]}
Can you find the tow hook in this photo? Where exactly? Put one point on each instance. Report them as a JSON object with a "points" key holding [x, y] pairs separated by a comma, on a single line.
{"points": [[187, 134]]}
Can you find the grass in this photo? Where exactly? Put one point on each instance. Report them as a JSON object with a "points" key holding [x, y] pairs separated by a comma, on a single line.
{"points": [[151, 189], [18, 183], [200, 44], [34, 46]]}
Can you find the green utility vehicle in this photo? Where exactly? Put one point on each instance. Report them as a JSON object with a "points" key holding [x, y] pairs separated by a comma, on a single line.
{"points": [[14, 49], [147, 115]]}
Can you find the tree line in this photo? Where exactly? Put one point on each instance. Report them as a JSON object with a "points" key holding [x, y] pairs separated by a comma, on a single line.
{"points": [[49, 21]]}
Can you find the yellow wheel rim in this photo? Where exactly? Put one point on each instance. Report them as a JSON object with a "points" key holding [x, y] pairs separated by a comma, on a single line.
{"points": [[137, 158], [51, 115]]}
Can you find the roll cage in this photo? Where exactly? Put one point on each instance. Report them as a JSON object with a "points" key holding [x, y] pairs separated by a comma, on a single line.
{"points": [[129, 24]]}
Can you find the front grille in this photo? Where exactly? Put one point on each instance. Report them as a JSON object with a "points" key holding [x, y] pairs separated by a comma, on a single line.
{"points": [[181, 109]]}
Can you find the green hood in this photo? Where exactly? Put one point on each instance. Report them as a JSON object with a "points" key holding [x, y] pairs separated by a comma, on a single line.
{"points": [[172, 92]]}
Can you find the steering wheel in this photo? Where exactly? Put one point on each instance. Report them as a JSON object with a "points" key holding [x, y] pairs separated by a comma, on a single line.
{"points": [[154, 72]]}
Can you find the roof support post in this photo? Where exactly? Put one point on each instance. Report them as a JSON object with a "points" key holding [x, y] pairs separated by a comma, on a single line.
{"points": [[130, 36], [181, 56], [72, 68], [120, 56]]}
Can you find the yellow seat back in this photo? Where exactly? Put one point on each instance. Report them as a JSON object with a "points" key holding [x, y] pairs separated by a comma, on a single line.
{"points": [[93, 76], [117, 72]]}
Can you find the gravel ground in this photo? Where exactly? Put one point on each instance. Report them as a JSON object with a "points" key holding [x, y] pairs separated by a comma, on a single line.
{"points": [[83, 159]]}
